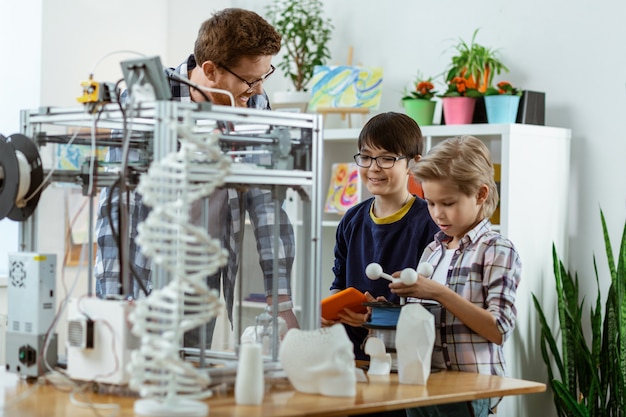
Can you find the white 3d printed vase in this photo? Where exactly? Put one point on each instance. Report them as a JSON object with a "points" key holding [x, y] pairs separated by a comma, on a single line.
{"points": [[250, 385]]}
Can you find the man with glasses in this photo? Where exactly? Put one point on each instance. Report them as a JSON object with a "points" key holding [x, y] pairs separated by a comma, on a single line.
{"points": [[233, 52]]}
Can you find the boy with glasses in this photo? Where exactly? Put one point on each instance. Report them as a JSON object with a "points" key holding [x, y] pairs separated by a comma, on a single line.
{"points": [[392, 228], [232, 47]]}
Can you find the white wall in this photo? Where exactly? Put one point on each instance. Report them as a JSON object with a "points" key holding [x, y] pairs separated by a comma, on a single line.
{"points": [[571, 50], [79, 34]]}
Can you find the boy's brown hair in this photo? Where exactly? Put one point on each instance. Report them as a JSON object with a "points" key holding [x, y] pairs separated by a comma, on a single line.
{"points": [[393, 132]]}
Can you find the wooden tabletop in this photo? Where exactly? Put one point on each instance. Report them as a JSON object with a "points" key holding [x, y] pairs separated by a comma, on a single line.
{"points": [[379, 394]]}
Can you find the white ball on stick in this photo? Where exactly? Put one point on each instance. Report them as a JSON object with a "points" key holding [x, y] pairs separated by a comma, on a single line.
{"points": [[425, 269], [408, 276], [374, 271]]}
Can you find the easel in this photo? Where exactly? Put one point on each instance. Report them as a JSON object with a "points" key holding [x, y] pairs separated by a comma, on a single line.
{"points": [[344, 111]]}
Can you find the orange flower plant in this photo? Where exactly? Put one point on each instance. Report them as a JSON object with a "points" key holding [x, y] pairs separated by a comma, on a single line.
{"points": [[476, 64], [423, 89], [461, 87], [503, 88]]}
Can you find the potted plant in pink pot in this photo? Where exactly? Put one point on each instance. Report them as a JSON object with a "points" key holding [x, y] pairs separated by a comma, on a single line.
{"points": [[502, 103], [418, 103], [459, 102], [469, 75]]}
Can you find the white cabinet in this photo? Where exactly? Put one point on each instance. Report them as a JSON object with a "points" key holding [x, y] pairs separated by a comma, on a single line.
{"points": [[534, 185]]}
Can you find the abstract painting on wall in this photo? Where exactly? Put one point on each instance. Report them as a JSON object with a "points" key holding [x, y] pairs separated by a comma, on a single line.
{"points": [[346, 86], [344, 190], [72, 157]]}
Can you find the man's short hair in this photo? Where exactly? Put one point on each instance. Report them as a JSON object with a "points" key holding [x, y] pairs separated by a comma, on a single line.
{"points": [[233, 33]]}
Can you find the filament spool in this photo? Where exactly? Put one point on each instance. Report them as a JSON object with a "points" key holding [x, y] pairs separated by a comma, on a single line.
{"points": [[21, 174], [384, 314], [382, 325]]}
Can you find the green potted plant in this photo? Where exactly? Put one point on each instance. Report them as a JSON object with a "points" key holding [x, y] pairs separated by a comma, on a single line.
{"points": [[591, 378], [306, 34], [475, 63], [418, 102], [502, 103], [469, 74]]}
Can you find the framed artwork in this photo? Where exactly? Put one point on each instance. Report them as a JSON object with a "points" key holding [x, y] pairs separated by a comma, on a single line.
{"points": [[346, 86], [344, 190]]}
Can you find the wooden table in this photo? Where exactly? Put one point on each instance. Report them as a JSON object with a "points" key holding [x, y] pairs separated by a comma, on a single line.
{"points": [[380, 394]]}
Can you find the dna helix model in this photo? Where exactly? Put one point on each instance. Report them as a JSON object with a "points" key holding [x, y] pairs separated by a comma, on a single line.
{"points": [[171, 186]]}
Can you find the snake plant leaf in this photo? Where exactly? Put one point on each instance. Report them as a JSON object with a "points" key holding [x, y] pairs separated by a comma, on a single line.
{"points": [[576, 409], [563, 291], [593, 375], [616, 314], [546, 337]]}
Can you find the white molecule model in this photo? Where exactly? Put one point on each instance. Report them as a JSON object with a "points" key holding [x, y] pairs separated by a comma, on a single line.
{"points": [[374, 271], [408, 276], [425, 269]]}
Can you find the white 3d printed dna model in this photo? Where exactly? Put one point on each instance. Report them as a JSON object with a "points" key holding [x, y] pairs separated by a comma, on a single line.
{"points": [[169, 385]]}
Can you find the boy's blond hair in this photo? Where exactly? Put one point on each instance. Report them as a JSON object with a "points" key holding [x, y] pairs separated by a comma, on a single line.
{"points": [[465, 162]]}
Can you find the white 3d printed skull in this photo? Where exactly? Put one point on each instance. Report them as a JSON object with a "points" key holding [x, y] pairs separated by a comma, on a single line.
{"points": [[319, 361]]}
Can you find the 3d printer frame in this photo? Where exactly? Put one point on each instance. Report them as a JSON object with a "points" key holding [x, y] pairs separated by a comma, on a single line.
{"points": [[293, 140]]}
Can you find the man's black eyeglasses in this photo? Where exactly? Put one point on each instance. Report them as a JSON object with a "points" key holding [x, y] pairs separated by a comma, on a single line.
{"points": [[252, 84], [385, 162]]}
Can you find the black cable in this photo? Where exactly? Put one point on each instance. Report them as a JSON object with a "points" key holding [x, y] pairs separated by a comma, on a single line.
{"points": [[116, 237], [109, 207]]}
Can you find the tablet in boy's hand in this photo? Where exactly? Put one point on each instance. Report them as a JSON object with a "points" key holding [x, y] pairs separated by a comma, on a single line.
{"points": [[350, 298]]}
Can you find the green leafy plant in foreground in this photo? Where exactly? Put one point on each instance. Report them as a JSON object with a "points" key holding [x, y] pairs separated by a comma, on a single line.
{"points": [[591, 379]]}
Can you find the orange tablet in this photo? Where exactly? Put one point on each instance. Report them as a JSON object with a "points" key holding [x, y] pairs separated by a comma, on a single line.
{"points": [[350, 298]]}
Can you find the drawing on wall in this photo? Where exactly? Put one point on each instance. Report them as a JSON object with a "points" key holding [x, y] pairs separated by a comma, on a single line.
{"points": [[344, 86], [71, 157], [344, 190]]}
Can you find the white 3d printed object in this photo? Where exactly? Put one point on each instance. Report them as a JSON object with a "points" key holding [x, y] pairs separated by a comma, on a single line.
{"points": [[319, 361], [415, 340], [169, 385]]}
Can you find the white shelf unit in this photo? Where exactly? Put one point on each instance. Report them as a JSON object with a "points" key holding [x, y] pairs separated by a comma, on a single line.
{"points": [[535, 165]]}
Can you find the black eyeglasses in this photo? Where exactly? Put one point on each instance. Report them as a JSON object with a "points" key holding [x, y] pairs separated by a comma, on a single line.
{"points": [[385, 162], [252, 84]]}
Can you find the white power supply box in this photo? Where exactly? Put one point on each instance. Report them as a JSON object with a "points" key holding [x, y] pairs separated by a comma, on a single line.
{"points": [[99, 341], [31, 310]]}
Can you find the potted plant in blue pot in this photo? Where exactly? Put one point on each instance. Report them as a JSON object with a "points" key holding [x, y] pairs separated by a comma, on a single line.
{"points": [[502, 103]]}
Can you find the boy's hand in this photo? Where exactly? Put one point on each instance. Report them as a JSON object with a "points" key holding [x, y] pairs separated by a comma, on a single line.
{"points": [[424, 288], [328, 323], [353, 319]]}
